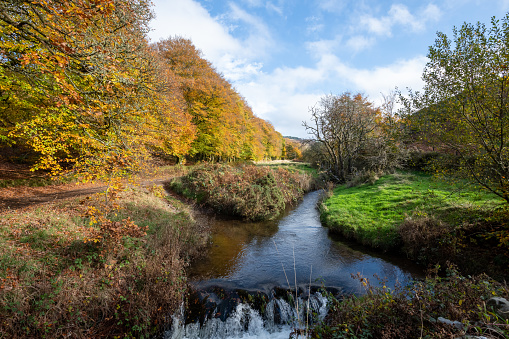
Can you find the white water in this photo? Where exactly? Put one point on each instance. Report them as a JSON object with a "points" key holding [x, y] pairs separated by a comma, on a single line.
{"points": [[246, 322]]}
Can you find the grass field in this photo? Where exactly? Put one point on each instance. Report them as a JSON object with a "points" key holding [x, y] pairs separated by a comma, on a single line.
{"points": [[371, 213]]}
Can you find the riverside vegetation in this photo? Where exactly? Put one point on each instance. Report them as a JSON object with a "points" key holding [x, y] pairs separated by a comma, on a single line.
{"points": [[422, 310], [111, 264], [457, 128], [247, 191], [454, 229]]}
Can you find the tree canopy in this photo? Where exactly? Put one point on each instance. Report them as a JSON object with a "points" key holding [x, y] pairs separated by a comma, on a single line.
{"points": [[463, 110], [82, 87]]}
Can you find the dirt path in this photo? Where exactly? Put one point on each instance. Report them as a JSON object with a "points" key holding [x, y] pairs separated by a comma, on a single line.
{"points": [[12, 198]]}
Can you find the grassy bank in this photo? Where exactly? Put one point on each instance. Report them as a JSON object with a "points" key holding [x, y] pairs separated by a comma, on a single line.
{"points": [[94, 267], [247, 191], [292, 166], [430, 220], [372, 213]]}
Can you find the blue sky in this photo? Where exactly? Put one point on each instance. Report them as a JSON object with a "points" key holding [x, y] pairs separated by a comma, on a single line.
{"points": [[283, 55]]}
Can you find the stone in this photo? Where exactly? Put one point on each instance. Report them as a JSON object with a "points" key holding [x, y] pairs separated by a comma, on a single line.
{"points": [[500, 306], [456, 324]]}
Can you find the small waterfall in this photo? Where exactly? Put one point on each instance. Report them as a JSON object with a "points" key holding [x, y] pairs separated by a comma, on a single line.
{"points": [[277, 318]]}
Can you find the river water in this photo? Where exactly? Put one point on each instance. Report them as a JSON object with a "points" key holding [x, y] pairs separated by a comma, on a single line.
{"points": [[260, 258]]}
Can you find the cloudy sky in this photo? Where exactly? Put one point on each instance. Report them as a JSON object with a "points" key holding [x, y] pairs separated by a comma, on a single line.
{"points": [[283, 55]]}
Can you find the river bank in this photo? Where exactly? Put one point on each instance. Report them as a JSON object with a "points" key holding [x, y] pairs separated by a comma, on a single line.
{"points": [[115, 264], [428, 220], [456, 230], [245, 190], [110, 264]]}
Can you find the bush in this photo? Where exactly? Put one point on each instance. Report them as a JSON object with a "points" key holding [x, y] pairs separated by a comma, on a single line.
{"points": [[413, 312], [247, 191]]}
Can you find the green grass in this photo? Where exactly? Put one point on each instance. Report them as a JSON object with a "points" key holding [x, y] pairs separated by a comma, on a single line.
{"points": [[371, 213], [292, 166]]}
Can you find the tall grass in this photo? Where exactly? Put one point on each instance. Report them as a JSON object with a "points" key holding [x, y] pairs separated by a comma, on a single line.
{"points": [[62, 276]]}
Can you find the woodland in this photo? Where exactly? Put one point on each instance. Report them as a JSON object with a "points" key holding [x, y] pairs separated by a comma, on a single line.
{"points": [[82, 88]]}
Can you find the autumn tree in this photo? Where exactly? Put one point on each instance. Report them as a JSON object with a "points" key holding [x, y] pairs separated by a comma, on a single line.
{"points": [[226, 128], [463, 109], [351, 131], [208, 96], [72, 77], [293, 149]]}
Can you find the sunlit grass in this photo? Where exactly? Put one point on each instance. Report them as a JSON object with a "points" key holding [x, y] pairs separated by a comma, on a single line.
{"points": [[371, 213], [292, 166]]}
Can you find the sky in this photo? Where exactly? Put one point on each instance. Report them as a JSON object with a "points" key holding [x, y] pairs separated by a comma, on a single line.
{"points": [[284, 55]]}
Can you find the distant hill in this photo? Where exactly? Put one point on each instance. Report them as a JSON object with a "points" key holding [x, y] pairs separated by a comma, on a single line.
{"points": [[295, 138]]}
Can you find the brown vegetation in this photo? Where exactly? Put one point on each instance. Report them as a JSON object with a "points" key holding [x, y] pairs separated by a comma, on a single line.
{"points": [[80, 268], [414, 312], [248, 191]]}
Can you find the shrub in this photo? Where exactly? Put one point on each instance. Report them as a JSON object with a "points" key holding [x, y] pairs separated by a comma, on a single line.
{"points": [[413, 312], [421, 235], [247, 191], [62, 275]]}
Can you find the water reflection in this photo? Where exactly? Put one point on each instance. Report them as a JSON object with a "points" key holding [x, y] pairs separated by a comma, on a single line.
{"points": [[257, 255]]}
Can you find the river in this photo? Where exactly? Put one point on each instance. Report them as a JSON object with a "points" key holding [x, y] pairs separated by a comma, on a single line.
{"points": [[261, 258]]}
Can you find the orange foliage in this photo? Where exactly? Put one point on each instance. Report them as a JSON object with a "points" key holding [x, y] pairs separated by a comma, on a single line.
{"points": [[227, 128], [81, 86]]}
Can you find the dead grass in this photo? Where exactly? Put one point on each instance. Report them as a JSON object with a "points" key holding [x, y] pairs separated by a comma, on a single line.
{"points": [[59, 279], [421, 234]]}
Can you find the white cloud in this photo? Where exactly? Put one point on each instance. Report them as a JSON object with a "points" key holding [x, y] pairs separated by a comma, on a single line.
{"points": [[259, 39], [377, 26], [315, 24], [399, 14], [235, 58], [286, 94], [190, 20], [373, 82], [334, 6], [432, 13], [254, 3], [271, 7], [319, 48], [359, 42], [504, 4]]}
